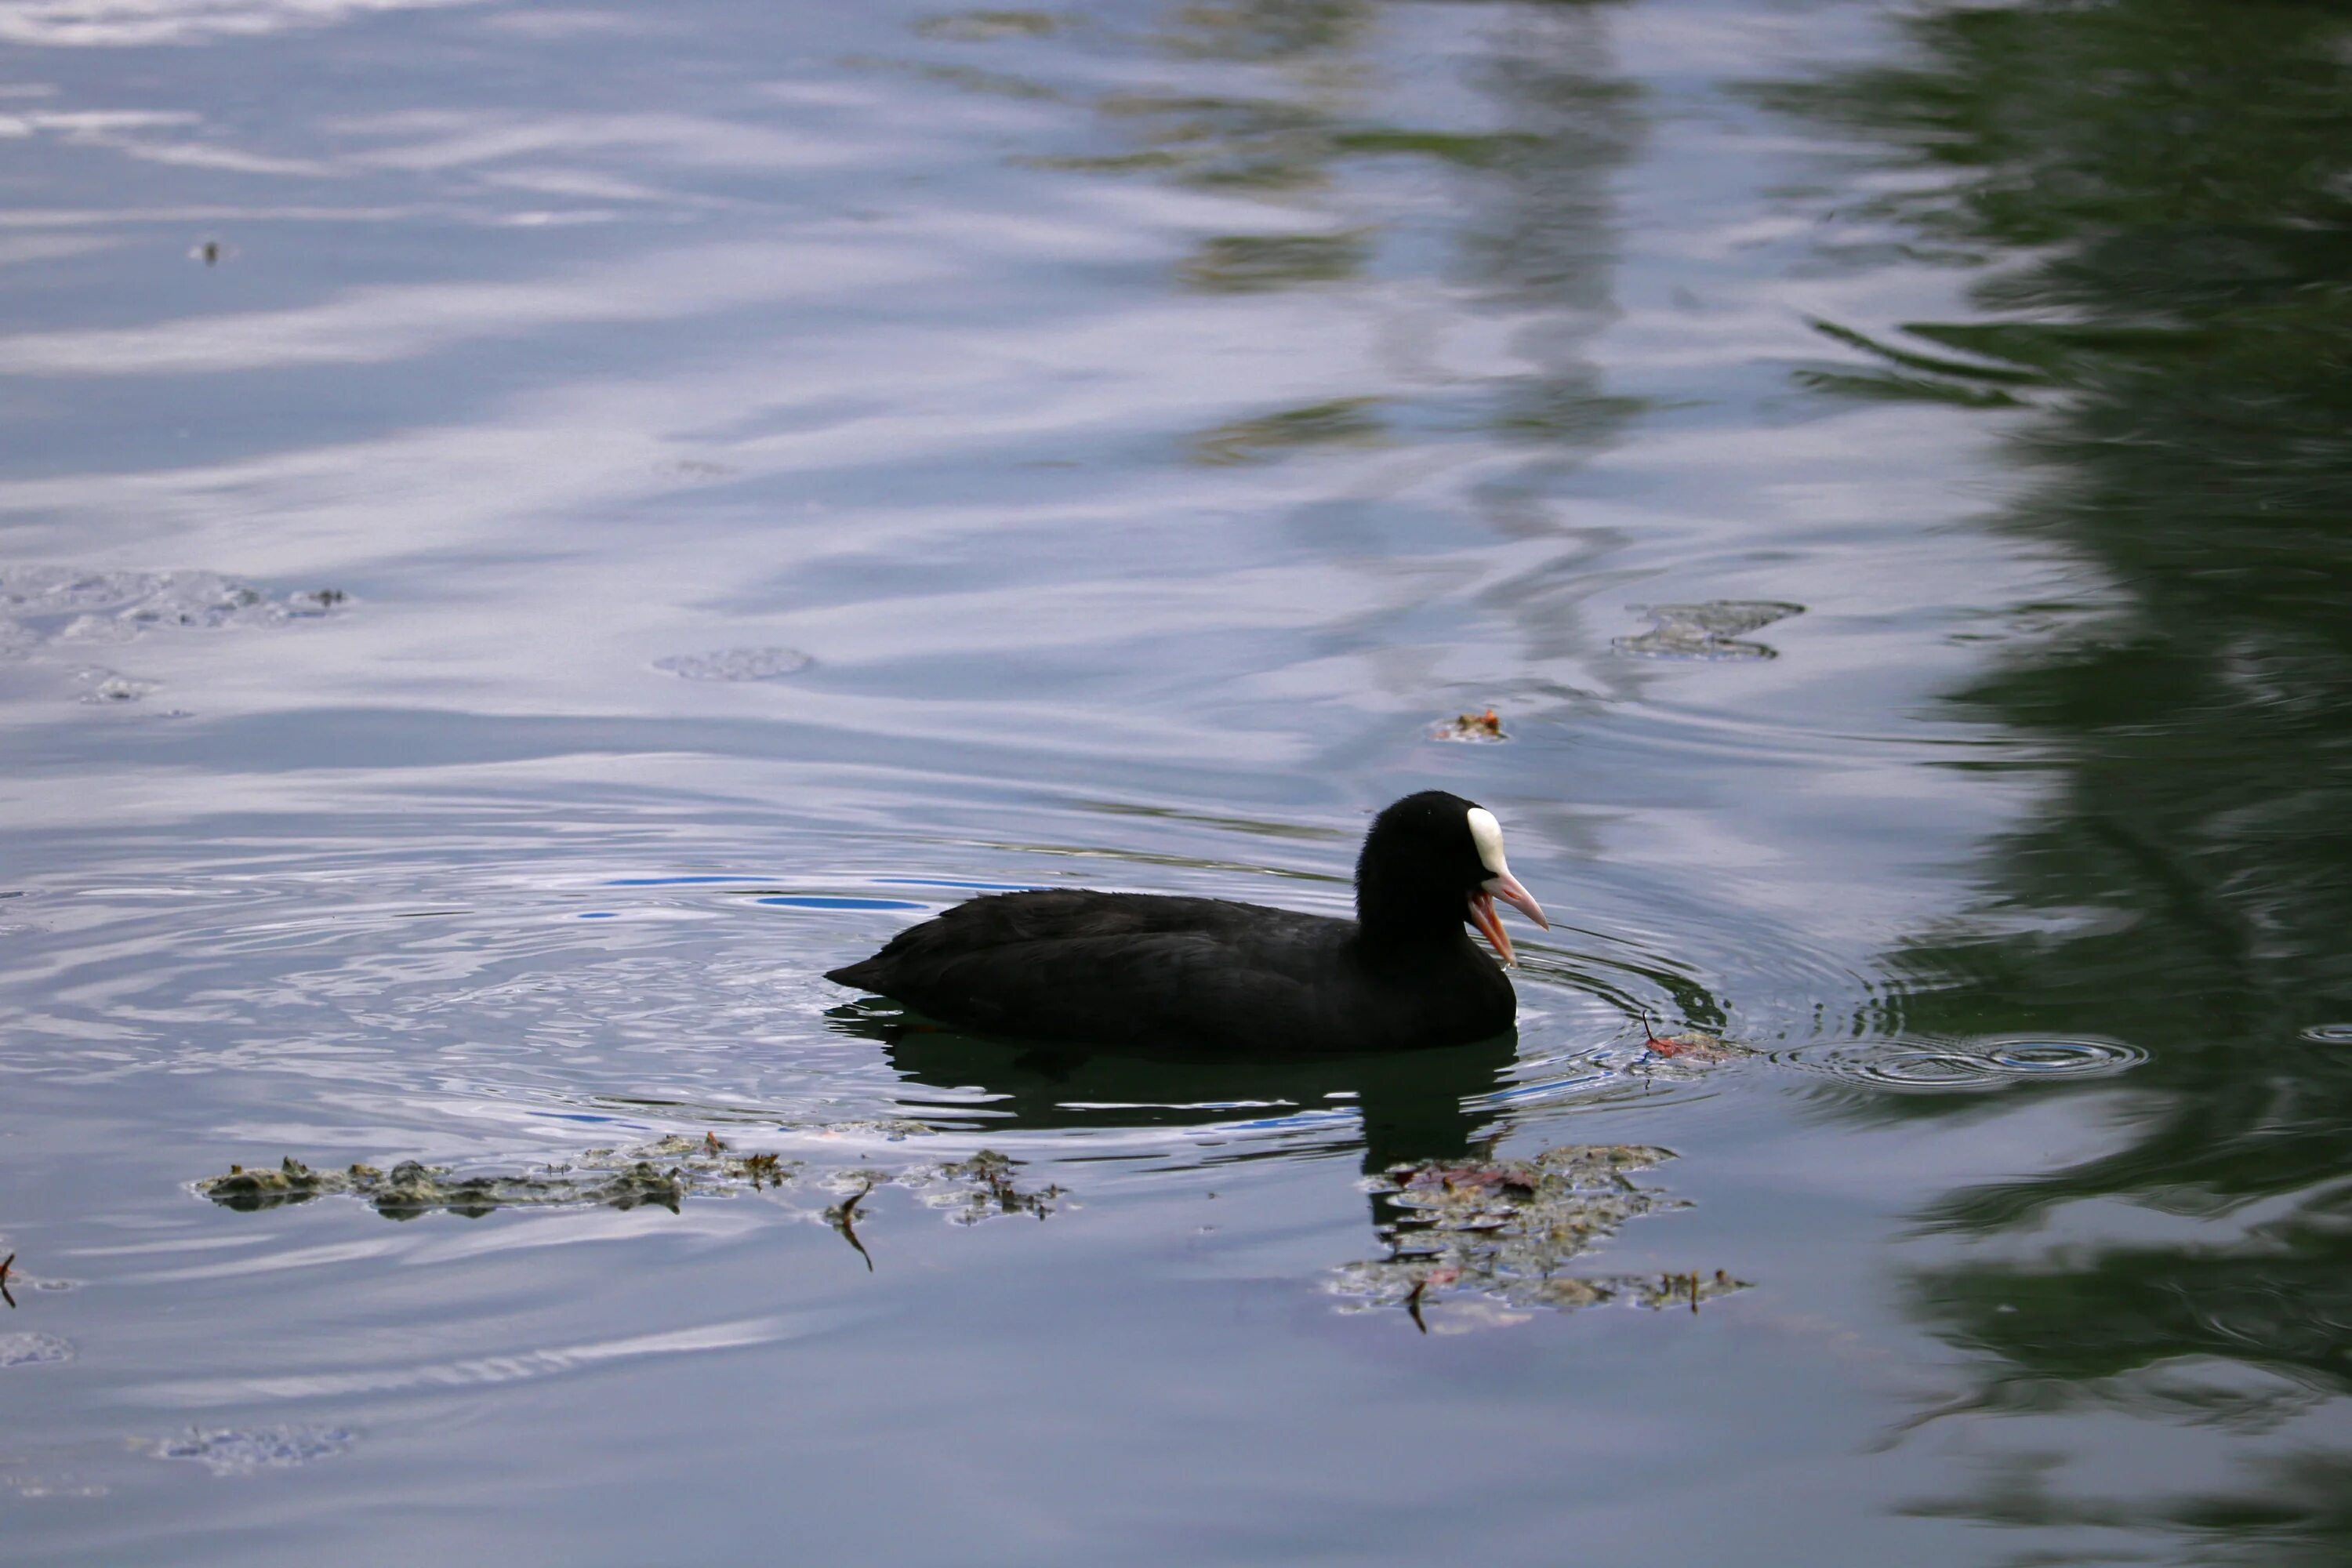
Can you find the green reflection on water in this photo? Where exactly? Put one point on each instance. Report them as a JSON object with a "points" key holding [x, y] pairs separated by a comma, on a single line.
{"points": [[2163, 194], [987, 26], [1250, 263], [1540, 238], [1344, 422]]}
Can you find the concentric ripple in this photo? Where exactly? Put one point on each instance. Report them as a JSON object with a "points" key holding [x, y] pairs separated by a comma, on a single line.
{"points": [[1972, 1065]]}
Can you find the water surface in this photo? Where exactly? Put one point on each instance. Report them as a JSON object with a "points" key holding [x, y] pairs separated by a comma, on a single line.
{"points": [[528, 533]]}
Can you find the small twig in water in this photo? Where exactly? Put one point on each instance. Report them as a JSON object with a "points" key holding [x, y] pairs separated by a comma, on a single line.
{"points": [[1413, 1304], [840, 1216], [6, 1294]]}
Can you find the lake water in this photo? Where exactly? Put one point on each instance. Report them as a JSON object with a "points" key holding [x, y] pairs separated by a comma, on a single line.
{"points": [[528, 532]]}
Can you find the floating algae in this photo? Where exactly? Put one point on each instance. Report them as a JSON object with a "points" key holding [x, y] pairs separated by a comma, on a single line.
{"points": [[896, 1128], [1503, 1230], [663, 1173], [101, 685], [1707, 631], [981, 1188], [33, 1350], [233, 1451], [61, 610], [411, 1188], [66, 604], [966, 1191]]}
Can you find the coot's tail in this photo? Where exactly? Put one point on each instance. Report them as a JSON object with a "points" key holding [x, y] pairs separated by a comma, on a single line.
{"points": [[866, 974]]}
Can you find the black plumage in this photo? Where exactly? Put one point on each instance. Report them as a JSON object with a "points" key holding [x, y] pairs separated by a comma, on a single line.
{"points": [[1148, 969]]}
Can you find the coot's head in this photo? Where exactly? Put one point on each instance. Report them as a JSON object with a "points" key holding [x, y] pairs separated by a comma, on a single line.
{"points": [[1433, 859]]}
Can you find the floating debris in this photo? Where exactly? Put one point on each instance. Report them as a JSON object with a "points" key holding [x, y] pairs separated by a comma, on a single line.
{"points": [[967, 1191], [1434, 1314], [1698, 1046], [1707, 631], [736, 664], [663, 1173], [839, 1215], [893, 1129], [1501, 1230], [33, 1350], [229, 1451], [105, 685], [1475, 728], [982, 1188], [7, 1295], [42, 605], [144, 599]]}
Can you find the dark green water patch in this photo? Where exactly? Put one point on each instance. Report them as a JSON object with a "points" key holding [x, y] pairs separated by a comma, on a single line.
{"points": [[2157, 195]]}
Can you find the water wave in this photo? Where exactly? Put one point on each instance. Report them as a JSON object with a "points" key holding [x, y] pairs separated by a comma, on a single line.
{"points": [[1969, 1065]]}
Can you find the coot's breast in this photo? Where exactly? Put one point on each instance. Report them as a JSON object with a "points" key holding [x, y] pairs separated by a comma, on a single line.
{"points": [[1197, 973]]}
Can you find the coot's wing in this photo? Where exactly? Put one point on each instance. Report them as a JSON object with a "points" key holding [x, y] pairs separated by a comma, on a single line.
{"points": [[1007, 920], [1107, 967]]}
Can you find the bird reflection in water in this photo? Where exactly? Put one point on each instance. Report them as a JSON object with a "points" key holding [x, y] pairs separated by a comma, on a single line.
{"points": [[1453, 1219], [1411, 1106]]}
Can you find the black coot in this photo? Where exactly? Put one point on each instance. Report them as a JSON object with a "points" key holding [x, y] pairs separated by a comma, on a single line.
{"points": [[1142, 969]]}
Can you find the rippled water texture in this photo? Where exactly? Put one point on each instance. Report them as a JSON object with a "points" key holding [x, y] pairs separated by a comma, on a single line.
{"points": [[530, 533]]}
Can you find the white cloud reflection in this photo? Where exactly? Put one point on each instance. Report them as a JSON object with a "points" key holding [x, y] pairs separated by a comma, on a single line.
{"points": [[130, 23], [369, 326]]}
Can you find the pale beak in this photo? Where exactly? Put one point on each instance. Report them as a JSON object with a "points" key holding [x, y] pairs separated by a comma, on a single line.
{"points": [[1490, 924]]}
